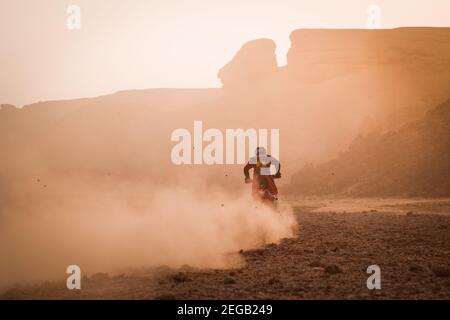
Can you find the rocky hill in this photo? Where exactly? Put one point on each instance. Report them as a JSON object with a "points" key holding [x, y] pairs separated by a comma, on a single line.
{"points": [[411, 161]]}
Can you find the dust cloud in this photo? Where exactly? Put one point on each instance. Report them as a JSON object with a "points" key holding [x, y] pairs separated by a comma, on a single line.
{"points": [[131, 227]]}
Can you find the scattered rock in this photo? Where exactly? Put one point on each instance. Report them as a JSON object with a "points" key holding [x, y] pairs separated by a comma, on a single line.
{"points": [[229, 280], [315, 264], [274, 280], [299, 289], [441, 271], [332, 269], [319, 268], [180, 277], [258, 252], [415, 268], [271, 245]]}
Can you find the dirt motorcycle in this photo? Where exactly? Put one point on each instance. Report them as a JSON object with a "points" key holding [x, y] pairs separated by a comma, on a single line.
{"points": [[264, 189]]}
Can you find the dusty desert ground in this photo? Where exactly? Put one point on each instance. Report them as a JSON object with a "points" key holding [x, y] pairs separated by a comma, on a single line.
{"points": [[337, 239]]}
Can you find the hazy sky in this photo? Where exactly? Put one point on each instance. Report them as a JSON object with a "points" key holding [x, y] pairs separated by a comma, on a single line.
{"points": [[162, 43]]}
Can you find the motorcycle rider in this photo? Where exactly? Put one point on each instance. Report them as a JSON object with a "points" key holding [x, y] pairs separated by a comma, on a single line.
{"points": [[263, 184]]}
